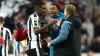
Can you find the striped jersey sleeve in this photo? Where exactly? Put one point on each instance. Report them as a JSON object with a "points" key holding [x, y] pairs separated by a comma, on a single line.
{"points": [[9, 34]]}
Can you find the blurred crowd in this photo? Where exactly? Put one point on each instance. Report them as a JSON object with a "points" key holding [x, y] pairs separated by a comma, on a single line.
{"points": [[89, 10]]}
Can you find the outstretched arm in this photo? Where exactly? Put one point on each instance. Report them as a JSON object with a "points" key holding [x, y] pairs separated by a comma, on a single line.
{"points": [[37, 30], [65, 28]]}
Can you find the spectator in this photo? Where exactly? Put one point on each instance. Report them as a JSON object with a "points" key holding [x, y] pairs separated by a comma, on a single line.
{"points": [[95, 47], [89, 27]]}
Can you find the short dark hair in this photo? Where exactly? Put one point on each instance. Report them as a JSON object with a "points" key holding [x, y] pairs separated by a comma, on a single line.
{"points": [[1, 19], [56, 6], [38, 5]]}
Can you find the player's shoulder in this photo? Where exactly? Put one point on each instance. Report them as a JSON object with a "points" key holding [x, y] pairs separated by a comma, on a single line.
{"points": [[33, 14], [7, 29], [67, 22]]}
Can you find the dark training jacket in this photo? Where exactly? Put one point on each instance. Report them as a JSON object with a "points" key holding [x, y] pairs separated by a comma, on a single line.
{"points": [[71, 46]]}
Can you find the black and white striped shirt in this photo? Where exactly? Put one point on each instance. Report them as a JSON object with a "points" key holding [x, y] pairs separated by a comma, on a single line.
{"points": [[32, 37], [6, 35]]}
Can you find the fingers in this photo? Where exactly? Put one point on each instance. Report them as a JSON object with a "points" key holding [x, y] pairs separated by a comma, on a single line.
{"points": [[58, 23], [48, 45]]}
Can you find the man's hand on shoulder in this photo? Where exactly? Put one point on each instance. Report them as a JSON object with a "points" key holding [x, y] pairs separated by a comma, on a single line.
{"points": [[48, 45], [58, 22]]}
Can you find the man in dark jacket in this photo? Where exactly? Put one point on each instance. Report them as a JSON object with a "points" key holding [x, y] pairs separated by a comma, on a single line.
{"points": [[67, 42]]}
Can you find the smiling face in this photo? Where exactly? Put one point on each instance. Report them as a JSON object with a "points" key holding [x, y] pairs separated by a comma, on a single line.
{"points": [[53, 9]]}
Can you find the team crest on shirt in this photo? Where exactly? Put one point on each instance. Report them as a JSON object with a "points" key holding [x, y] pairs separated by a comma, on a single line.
{"points": [[2, 41]]}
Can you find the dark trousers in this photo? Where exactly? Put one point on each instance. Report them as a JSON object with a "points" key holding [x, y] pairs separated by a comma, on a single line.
{"points": [[32, 52]]}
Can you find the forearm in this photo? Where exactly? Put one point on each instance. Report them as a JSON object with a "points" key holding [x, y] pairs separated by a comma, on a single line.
{"points": [[65, 28], [10, 46], [59, 39], [45, 26]]}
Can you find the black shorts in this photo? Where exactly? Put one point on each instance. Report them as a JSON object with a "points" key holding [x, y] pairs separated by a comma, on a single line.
{"points": [[33, 52]]}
